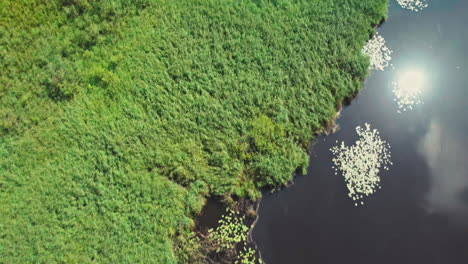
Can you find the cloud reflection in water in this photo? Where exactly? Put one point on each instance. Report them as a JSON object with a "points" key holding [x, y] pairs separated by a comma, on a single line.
{"points": [[446, 155]]}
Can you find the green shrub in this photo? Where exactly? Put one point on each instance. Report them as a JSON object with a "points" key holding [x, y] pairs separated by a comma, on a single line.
{"points": [[266, 136]]}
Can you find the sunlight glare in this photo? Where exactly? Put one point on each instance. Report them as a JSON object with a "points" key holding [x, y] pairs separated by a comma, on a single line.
{"points": [[408, 87], [412, 80]]}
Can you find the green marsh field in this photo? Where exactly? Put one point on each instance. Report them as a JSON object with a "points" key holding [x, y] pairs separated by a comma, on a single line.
{"points": [[119, 118]]}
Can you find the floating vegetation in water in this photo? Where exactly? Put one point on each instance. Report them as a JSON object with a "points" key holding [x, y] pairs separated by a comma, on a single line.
{"points": [[248, 256], [413, 5], [408, 88], [226, 237], [360, 163], [231, 230], [379, 53]]}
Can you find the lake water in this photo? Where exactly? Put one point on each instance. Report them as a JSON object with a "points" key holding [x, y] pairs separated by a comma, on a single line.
{"points": [[421, 213]]}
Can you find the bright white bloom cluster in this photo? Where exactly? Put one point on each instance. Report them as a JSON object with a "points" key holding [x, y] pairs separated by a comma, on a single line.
{"points": [[413, 5], [377, 51], [360, 163]]}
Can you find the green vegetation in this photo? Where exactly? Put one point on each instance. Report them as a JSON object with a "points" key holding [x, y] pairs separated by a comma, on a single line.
{"points": [[118, 117]]}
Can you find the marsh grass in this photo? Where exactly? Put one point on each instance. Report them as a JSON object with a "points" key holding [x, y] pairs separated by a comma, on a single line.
{"points": [[118, 117]]}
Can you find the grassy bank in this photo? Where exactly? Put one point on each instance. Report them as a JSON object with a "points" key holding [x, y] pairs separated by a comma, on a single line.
{"points": [[118, 118]]}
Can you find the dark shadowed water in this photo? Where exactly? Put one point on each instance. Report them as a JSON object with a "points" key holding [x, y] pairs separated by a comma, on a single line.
{"points": [[421, 213]]}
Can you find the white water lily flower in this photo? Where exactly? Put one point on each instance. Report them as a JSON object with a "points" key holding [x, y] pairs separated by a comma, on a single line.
{"points": [[378, 53], [360, 163], [413, 5]]}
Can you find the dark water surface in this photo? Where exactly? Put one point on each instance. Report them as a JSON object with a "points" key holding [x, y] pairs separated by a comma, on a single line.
{"points": [[421, 213]]}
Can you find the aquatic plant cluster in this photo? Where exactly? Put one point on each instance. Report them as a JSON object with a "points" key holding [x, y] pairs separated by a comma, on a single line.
{"points": [[230, 232], [248, 256], [361, 162], [378, 52], [406, 92], [413, 5]]}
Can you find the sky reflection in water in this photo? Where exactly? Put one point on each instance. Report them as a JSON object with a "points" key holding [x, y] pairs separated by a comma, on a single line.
{"points": [[446, 154]]}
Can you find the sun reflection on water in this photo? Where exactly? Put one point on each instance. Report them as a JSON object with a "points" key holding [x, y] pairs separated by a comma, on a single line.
{"points": [[408, 88]]}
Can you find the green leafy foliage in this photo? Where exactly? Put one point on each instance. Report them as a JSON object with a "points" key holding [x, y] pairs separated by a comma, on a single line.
{"points": [[118, 117], [266, 136]]}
